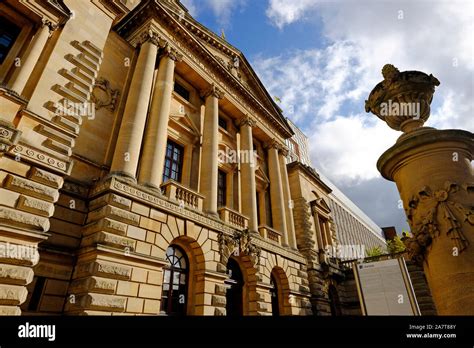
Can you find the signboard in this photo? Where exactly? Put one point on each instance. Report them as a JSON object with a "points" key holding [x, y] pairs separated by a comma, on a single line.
{"points": [[385, 288]]}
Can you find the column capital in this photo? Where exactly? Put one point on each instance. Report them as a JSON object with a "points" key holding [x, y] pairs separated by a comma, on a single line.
{"points": [[171, 53], [45, 22], [247, 121], [152, 37], [284, 150], [272, 144], [214, 91]]}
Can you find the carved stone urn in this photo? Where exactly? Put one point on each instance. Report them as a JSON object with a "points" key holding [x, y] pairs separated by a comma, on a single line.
{"points": [[434, 176], [402, 99]]}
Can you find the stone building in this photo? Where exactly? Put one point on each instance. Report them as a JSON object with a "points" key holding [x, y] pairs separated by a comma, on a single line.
{"points": [[142, 171], [354, 226]]}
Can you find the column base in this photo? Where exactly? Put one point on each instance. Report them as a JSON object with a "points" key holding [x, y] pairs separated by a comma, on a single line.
{"points": [[122, 175]]}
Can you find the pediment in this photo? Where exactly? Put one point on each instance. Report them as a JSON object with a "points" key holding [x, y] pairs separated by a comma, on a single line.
{"points": [[322, 205], [184, 121]]}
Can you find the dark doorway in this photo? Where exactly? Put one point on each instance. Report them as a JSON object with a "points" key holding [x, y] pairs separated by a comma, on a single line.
{"points": [[274, 295], [234, 294], [334, 301]]}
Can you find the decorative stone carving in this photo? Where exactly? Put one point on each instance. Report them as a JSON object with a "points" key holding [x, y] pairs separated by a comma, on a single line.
{"points": [[430, 211], [104, 96], [247, 121], [51, 26], [240, 243], [42, 159], [402, 99], [214, 91], [152, 36], [172, 53], [9, 135]]}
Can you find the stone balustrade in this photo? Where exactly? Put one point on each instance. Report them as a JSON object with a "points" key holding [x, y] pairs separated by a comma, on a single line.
{"points": [[233, 217], [182, 195], [270, 234]]}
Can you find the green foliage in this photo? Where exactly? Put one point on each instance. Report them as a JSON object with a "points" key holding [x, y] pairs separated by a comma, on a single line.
{"points": [[375, 251], [395, 246]]}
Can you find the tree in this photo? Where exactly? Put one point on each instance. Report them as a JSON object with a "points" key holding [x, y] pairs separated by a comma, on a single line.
{"points": [[375, 251], [395, 245]]}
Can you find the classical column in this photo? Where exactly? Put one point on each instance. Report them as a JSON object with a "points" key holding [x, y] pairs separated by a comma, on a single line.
{"points": [[31, 56], [433, 172], [290, 226], [156, 133], [276, 191], [247, 173], [209, 162], [127, 150]]}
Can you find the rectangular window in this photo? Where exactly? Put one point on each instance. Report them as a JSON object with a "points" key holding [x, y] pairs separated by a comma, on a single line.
{"points": [[268, 208], [8, 34], [222, 123], [178, 88], [221, 188], [173, 162]]}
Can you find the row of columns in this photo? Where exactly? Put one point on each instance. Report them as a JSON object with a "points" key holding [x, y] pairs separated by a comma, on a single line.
{"points": [[282, 205], [135, 129], [132, 130]]}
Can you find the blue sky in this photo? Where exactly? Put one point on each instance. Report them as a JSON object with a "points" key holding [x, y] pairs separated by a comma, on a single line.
{"points": [[322, 58]]}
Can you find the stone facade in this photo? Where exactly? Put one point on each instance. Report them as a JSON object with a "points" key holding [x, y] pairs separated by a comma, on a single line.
{"points": [[93, 121]]}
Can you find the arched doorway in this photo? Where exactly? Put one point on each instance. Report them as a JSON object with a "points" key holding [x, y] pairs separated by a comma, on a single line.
{"points": [[274, 296], [280, 292], [175, 282], [234, 294]]}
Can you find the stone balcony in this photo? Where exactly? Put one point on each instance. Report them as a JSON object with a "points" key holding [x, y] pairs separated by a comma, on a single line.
{"points": [[270, 234], [233, 217], [183, 195]]}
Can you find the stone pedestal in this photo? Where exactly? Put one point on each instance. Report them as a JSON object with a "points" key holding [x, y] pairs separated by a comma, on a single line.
{"points": [[433, 174]]}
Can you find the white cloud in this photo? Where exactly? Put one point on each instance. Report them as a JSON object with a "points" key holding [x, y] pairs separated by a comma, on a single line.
{"points": [[345, 147], [324, 85], [283, 12], [327, 86], [221, 9]]}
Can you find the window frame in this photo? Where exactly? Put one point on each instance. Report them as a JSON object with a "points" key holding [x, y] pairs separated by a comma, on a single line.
{"points": [[168, 171], [166, 305], [221, 188], [19, 47]]}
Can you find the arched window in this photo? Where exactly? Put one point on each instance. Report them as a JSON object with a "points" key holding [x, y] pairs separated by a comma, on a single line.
{"points": [[234, 294], [175, 279], [274, 296]]}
